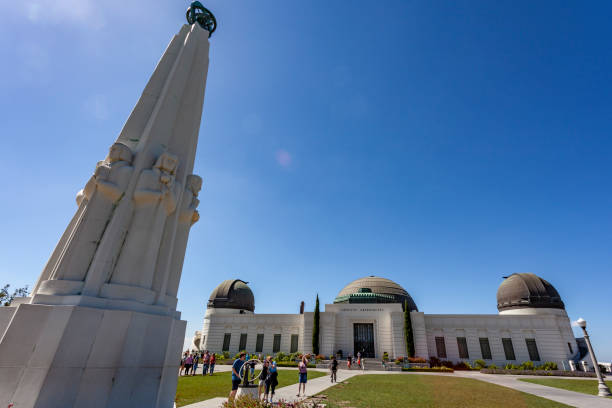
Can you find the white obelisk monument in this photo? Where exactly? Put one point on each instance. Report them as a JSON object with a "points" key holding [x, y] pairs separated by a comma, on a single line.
{"points": [[101, 327]]}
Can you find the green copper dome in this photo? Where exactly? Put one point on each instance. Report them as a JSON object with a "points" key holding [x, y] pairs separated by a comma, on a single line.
{"points": [[374, 289]]}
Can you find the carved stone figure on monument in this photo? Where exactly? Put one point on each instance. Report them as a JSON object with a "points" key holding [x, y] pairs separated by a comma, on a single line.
{"points": [[174, 239], [155, 198], [96, 203], [188, 216]]}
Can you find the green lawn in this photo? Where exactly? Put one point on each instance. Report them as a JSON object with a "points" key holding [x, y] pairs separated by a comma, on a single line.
{"points": [[583, 386], [428, 391], [199, 388]]}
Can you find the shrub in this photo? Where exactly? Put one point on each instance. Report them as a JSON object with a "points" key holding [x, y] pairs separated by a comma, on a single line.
{"points": [[446, 363], [319, 357], [548, 366], [428, 369], [539, 372], [493, 367], [510, 366], [246, 401], [293, 364], [527, 365], [480, 364], [294, 356], [434, 362], [399, 360], [385, 356], [462, 365], [417, 360], [226, 354]]}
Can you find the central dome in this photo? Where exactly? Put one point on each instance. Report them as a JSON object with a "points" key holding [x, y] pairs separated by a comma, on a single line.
{"points": [[374, 289]]}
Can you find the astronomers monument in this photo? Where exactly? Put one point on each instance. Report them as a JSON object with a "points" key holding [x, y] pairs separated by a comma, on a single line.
{"points": [[101, 327]]}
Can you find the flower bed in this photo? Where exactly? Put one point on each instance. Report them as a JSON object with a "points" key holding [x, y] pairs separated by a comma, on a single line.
{"points": [[561, 373]]}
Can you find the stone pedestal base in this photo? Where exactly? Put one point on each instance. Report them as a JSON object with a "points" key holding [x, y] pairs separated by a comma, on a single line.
{"points": [[250, 390], [75, 356]]}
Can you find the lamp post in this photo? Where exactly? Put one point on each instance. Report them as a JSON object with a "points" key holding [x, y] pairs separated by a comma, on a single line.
{"points": [[604, 391]]}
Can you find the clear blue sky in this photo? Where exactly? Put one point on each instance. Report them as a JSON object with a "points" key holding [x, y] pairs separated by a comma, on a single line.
{"points": [[439, 144]]}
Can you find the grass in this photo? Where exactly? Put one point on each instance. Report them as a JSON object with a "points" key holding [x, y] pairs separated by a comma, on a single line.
{"points": [[428, 391], [199, 388], [583, 386]]}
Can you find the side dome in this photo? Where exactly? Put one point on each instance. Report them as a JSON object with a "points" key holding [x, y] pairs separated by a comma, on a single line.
{"points": [[527, 290], [374, 289], [232, 294]]}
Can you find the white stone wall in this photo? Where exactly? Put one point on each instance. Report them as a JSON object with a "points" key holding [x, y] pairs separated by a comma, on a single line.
{"points": [[551, 332], [217, 324]]}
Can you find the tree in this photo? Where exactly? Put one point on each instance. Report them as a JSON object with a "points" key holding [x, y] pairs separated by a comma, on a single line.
{"points": [[315, 328], [6, 297], [408, 336]]}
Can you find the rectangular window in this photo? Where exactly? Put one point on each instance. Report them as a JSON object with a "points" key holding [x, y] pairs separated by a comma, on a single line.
{"points": [[243, 339], [463, 350], [508, 349], [570, 347], [532, 348], [276, 343], [226, 341], [294, 343], [259, 343], [485, 348], [441, 347]]}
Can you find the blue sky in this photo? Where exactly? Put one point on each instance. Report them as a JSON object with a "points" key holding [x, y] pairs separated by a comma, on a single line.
{"points": [[439, 144]]}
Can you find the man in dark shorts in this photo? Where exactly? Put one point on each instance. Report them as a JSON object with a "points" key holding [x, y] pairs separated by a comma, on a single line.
{"points": [[238, 363]]}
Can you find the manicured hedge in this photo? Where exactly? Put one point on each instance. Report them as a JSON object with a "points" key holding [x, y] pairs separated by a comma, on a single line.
{"points": [[561, 373], [293, 364], [430, 370]]}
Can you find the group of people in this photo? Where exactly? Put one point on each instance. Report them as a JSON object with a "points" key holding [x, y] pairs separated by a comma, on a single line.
{"points": [[268, 379], [351, 361], [191, 360]]}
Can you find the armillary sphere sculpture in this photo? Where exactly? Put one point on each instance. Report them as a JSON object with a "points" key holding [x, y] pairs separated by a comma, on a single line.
{"points": [[197, 13], [244, 372]]}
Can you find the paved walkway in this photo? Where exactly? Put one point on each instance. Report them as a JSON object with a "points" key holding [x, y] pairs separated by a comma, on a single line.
{"points": [[571, 398], [315, 386], [289, 392]]}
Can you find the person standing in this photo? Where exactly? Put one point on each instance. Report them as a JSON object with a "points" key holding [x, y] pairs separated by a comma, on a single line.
{"points": [[211, 363], [236, 366], [188, 363], [183, 363], [348, 362], [196, 360], [334, 369], [205, 362], [271, 380], [262, 378], [303, 374]]}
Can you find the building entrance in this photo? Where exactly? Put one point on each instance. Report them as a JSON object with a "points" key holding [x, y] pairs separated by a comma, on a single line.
{"points": [[363, 337]]}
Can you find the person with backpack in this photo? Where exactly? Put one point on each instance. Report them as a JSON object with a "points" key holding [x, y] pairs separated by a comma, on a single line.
{"points": [[334, 368], [271, 380]]}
